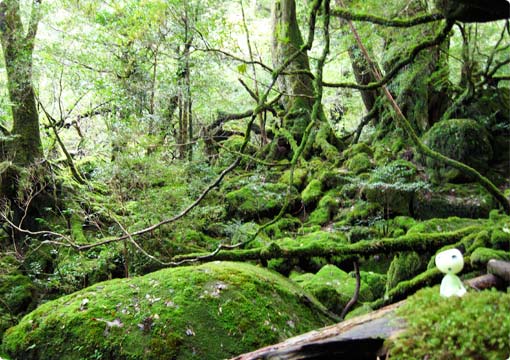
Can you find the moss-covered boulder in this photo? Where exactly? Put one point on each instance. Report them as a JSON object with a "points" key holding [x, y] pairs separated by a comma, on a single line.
{"points": [[312, 192], [475, 326], [392, 186], [17, 297], [333, 287], [464, 140], [212, 311], [404, 267], [258, 199], [462, 200], [359, 163]]}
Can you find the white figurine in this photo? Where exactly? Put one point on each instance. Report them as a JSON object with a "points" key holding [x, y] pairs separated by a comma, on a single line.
{"points": [[450, 262]]}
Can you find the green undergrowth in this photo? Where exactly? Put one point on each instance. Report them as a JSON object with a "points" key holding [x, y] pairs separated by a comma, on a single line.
{"points": [[475, 326], [211, 311]]}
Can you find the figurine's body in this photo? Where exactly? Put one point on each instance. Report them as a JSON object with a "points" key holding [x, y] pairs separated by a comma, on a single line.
{"points": [[450, 262]]}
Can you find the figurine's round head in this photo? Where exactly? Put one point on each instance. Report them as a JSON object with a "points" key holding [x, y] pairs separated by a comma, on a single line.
{"points": [[450, 261]]}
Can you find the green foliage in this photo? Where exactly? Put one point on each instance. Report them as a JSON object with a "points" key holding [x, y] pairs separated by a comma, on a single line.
{"points": [[206, 312], [481, 256], [471, 327]]}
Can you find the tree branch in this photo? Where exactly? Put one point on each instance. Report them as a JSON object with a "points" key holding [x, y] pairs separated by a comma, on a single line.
{"points": [[419, 20]]}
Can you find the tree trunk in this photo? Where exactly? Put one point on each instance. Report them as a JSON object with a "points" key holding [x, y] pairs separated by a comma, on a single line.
{"points": [[297, 88], [18, 47]]}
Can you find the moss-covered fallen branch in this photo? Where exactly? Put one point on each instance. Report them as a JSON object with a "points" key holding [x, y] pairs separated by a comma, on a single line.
{"points": [[414, 242]]}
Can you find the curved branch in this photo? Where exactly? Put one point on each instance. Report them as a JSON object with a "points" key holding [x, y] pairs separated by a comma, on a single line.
{"points": [[438, 39], [419, 20]]}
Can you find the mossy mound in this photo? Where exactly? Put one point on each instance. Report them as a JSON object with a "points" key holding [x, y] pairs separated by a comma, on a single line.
{"points": [[359, 163], [464, 140], [258, 199], [475, 326], [393, 185], [333, 287], [212, 311], [463, 200]]}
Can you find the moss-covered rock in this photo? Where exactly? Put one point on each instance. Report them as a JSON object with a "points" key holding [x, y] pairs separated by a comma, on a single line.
{"points": [[403, 267], [17, 296], [443, 225], [376, 282], [464, 140], [210, 311], [298, 179], [358, 149], [312, 192], [333, 287], [392, 186], [359, 163], [462, 200], [481, 256], [475, 326], [258, 199]]}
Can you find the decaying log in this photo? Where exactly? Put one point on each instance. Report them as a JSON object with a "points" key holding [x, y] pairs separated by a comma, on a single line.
{"points": [[361, 337], [486, 281], [500, 269]]}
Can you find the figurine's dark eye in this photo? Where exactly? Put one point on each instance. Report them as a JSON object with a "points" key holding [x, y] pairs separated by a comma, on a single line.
{"points": [[454, 256]]}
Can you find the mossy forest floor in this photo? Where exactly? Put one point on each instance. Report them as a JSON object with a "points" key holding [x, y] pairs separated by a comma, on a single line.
{"points": [[375, 205]]}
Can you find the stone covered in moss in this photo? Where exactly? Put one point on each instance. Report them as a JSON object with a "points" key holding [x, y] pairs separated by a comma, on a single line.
{"points": [[298, 179], [481, 256], [258, 199], [358, 149], [475, 326], [464, 140], [333, 287], [17, 295], [403, 267], [211, 311], [359, 163], [462, 200], [392, 186], [312, 192]]}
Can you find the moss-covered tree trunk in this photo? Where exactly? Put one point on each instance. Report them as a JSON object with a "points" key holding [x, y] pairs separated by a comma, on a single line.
{"points": [[296, 86], [421, 88], [22, 150], [18, 46]]}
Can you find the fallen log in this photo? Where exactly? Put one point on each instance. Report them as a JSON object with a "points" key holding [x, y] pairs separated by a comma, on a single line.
{"points": [[358, 338]]}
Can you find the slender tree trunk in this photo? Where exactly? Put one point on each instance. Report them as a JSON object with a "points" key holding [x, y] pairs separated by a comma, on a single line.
{"points": [[18, 45]]}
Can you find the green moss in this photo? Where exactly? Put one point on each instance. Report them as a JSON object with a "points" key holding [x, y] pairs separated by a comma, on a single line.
{"points": [[358, 149], [393, 185], [462, 200], [464, 140], [319, 216], [481, 256], [376, 282], [311, 194], [332, 178], [299, 177], [283, 227], [404, 222], [333, 287], [359, 163], [443, 225], [210, 311], [500, 239], [258, 199], [475, 326], [403, 267], [360, 213]]}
